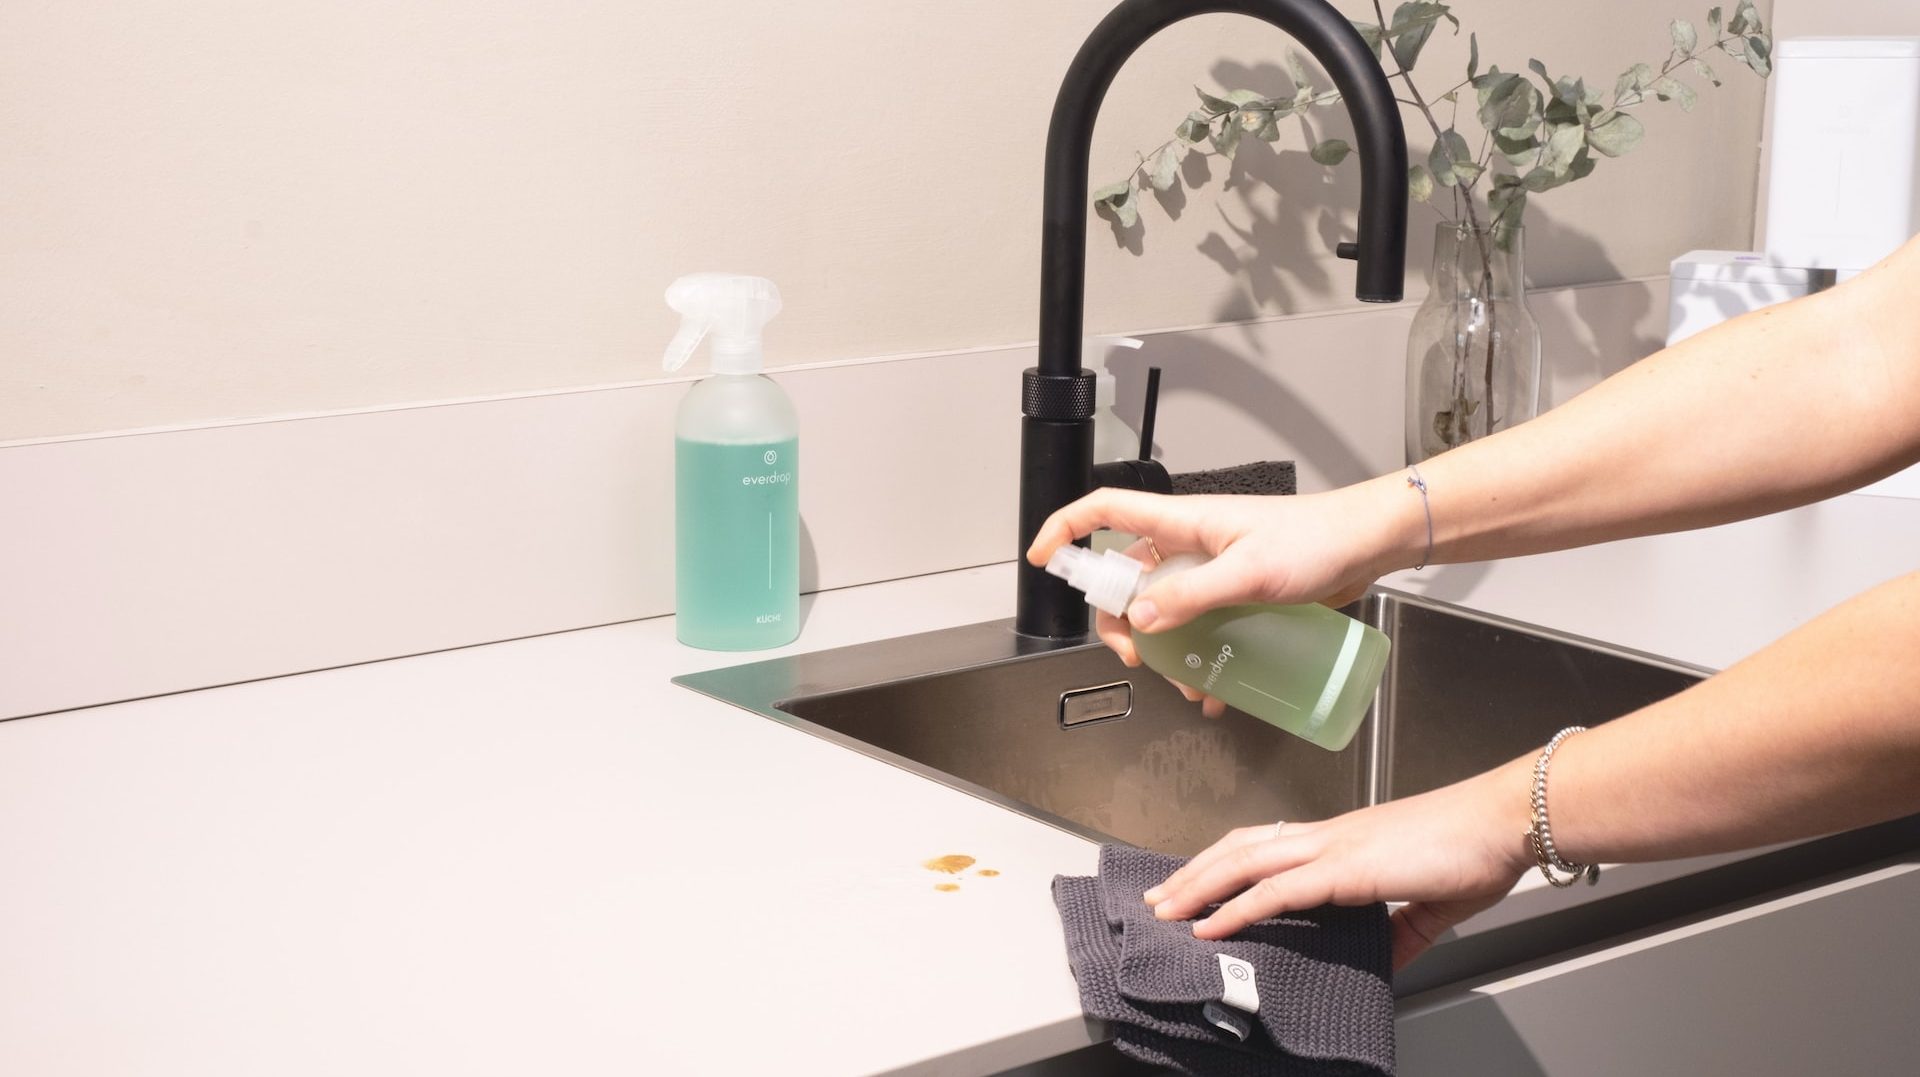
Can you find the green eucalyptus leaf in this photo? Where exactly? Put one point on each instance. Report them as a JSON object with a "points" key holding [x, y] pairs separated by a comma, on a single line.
{"points": [[1507, 198], [1562, 147], [1441, 164], [1213, 104], [1331, 152], [1492, 84], [1582, 167], [1700, 68], [1615, 133], [1270, 130], [1684, 37], [1194, 127], [1540, 179], [1419, 183], [1417, 13], [1672, 89], [1163, 167], [1509, 205], [1634, 79], [1760, 54], [1509, 104], [1524, 114], [1540, 69], [1226, 139], [1298, 71], [1369, 33], [1473, 57], [1517, 151], [1242, 98], [1412, 25], [1116, 201], [1407, 46], [1713, 22], [1451, 160], [1744, 18]]}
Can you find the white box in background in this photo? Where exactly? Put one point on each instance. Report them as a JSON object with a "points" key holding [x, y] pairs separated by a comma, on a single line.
{"points": [[1843, 186], [1709, 287], [1843, 189]]}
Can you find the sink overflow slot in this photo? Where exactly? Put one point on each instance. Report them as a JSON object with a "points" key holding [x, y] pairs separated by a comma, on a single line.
{"points": [[1102, 703]]}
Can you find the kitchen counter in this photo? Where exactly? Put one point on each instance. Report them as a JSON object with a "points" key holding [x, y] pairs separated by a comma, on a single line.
{"points": [[540, 856]]}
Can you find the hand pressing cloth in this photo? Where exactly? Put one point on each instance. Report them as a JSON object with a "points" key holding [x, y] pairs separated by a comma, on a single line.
{"points": [[1308, 993]]}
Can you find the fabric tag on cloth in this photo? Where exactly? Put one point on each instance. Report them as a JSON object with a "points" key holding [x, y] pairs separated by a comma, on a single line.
{"points": [[1161, 1034], [1320, 981]]}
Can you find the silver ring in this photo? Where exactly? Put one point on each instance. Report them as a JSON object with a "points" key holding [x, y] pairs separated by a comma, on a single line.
{"points": [[1278, 827]]}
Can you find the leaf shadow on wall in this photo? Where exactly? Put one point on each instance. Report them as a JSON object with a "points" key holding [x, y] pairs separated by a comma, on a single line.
{"points": [[1279, 254]]}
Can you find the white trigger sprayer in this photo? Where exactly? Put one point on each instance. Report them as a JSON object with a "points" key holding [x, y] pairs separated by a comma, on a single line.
{"points": [[733, 308]]}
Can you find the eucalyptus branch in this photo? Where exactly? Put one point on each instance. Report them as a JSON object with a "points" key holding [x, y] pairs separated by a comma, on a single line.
{"points": [[1536, 135]]}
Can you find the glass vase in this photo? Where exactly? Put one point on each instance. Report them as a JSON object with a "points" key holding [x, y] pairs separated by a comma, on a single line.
{"points": [[1473, 354]]}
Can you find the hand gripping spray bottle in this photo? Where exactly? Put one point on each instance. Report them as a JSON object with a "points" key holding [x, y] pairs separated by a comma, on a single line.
{"points": [[735, 491], [1310, 670]]}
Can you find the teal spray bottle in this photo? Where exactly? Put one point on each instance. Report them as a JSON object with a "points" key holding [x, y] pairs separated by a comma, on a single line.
{"points": [[736, 492], [1310, 670]]}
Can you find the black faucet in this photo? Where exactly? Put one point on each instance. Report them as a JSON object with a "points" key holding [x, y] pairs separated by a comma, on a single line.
{"points": [[1056, 433]]}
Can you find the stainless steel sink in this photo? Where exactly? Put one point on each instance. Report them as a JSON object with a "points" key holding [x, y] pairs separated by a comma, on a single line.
{"points": [[1069, 736]]}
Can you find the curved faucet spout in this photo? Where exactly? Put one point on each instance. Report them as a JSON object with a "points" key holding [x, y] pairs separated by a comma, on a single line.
{"points": [[1339, 48], [1057, 396]]}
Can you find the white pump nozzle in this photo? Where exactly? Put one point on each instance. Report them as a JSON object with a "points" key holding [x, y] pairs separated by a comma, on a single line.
{"points": [[1109, 579], [733, 307]]}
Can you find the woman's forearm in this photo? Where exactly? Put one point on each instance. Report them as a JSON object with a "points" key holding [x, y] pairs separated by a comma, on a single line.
{"points": [[1775, 409], [1819, 732]]}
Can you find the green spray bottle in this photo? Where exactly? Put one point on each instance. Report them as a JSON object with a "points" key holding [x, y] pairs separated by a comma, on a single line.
{"points": [[1308, 669], [736, 494]]}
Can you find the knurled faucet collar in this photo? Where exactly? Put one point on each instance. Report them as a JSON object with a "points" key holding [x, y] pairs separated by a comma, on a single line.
{"points": [[1057, 397]]}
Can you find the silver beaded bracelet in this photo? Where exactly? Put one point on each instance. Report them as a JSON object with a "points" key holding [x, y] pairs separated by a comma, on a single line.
{"points": [[1540, 835]]}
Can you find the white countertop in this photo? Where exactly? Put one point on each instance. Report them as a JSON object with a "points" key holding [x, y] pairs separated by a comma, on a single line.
{"points": [[540, 856]]}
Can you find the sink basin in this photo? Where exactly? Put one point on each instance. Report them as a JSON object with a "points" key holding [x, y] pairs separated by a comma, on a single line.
{"points": [[1070, 736]]}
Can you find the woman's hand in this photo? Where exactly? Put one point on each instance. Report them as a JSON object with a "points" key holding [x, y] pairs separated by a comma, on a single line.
{"points": [[1450, 853], [1287, 550]]}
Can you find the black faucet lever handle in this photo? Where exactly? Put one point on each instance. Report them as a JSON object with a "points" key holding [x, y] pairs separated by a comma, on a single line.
{"points": [[1349, 251], [1148, 411]]}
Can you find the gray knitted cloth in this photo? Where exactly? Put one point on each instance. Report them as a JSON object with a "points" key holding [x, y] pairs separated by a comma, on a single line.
{"points": [[1323, 979]]}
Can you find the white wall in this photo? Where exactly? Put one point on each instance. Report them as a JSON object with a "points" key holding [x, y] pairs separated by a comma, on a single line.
{"points": [[224, 209]]}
